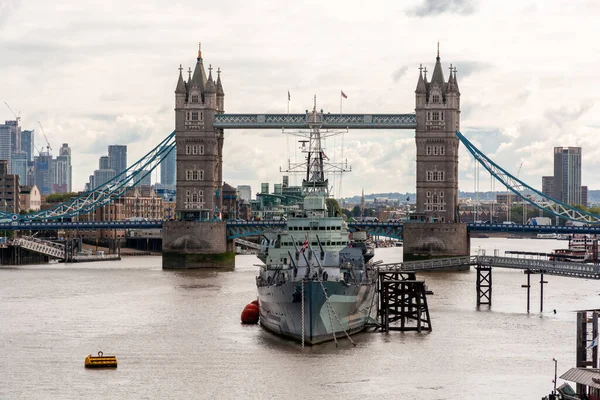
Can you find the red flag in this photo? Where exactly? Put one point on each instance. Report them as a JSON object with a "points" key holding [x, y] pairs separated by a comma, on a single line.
{"points": [[344, 94], [323, 155]]}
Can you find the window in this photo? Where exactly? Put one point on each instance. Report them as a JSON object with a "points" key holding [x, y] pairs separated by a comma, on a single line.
{"points": [[428, 116], [194, 98], [194, 115], [194, 197], [436, 98], [436, 116], [441, 194], [442, 151], [188, 175], [201, 149], [194, 150], [435, 150], [442, 115], [441, 175], [187, 149], [188, 115], [201, 116], [429, 175], [428, 194], [435, 175], [194, 175], [201, 175]]}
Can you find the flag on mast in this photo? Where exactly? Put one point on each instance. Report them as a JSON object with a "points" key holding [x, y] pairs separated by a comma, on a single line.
{"points": [[289, 97], [343, 94]]}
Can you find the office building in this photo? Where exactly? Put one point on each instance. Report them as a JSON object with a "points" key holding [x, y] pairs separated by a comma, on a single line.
{"points": [[245, 193], [548, 185], [9, 190], [145, 176], [103, 163], [5, 144], [62, 170], [117, 156], [18, 166], [584, 196], [168, 168], [27, 144], [567, 174], [43, 173]]}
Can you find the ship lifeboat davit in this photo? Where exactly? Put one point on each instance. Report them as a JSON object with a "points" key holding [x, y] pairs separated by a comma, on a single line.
{"points": [[250, 313], [100, 361]]}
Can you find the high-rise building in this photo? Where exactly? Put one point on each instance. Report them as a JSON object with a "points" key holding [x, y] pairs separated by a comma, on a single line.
{"points": [[43, 166], [62, 170], [117, 156], [146, 180], [104, 163], [27, 144], [15, 135], [567, 174], [584, 196], [548, 185], [18, 166], [245, 192], [5, 143], [168, 168], [101, 176]]}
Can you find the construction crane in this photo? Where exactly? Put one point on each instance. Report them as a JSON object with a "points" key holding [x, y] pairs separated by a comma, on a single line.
{"points": [[17, 116], [48, 147]]}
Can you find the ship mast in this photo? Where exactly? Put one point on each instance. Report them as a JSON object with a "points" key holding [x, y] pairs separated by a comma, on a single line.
{"points": [[317, 164]]}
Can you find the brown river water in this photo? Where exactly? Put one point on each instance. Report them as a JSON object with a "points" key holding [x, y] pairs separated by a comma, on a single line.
{"points": [[177, 335]]}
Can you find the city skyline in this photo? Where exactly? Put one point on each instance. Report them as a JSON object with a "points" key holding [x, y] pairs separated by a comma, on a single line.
{"points": [[521, 95]]}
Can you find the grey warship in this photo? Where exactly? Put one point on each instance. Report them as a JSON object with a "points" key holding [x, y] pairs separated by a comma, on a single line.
{"points": [[315, 284]]}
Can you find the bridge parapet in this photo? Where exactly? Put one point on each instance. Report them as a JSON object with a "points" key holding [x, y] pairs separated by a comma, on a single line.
{"points": [[326, 121]]}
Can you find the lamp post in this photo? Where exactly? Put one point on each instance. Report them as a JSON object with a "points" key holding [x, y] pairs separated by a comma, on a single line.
{"points": [[555, 369]]}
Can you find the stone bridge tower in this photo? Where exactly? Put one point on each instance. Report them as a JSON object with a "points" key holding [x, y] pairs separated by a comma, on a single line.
{"points": [[197, 236], [438, 117]]}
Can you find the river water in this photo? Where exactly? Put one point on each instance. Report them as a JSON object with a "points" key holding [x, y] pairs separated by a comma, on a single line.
{"points": [[177, 335]]}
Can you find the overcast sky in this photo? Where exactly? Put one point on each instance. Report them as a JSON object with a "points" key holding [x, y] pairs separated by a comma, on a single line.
{"points": [[103, 72]]}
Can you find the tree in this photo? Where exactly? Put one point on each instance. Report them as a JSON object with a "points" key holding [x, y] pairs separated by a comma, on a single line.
{"points": [[333, 207]]}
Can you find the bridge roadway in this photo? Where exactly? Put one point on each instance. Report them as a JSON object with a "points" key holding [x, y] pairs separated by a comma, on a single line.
{"points": [[238, 229], [561, 268]]}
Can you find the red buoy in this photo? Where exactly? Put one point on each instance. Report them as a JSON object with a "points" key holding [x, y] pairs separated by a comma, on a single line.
{"points": [[250, 314], [255, 302]]}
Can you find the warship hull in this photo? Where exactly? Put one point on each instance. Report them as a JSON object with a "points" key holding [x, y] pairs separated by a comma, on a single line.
{"points": [[281, 309]]}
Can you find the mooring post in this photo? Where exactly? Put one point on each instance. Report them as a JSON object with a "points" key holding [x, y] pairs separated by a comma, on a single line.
{"points": [[528, 286], [542, 281]]}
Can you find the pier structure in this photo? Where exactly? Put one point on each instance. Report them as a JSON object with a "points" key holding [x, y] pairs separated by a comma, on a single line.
{"points": [[485, 264]]}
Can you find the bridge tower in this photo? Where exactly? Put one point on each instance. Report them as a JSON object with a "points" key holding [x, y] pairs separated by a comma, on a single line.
{"points": [[197, 236], [438, 117]]}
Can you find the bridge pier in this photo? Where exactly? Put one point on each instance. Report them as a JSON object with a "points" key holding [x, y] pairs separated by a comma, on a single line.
{"points": [[424, 241], [197, 244]]}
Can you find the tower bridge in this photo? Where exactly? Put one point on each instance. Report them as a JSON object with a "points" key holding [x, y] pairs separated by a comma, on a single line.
{"points": [[198, 238]]}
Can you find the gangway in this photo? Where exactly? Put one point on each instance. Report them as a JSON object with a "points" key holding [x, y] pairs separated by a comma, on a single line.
{"points": [[41, 246], [248, 243]]}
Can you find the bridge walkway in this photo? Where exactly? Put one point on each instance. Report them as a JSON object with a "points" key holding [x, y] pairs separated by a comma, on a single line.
{"points": [[45, 247], [248, 243]]}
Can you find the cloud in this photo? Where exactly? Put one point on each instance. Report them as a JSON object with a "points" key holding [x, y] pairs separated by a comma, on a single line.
{"points": [[439, 7], [399, 73], [7, 8], [466, 68]]}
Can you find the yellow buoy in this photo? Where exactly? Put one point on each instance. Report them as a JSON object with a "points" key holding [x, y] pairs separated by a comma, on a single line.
{"points": [[100, 361]]}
